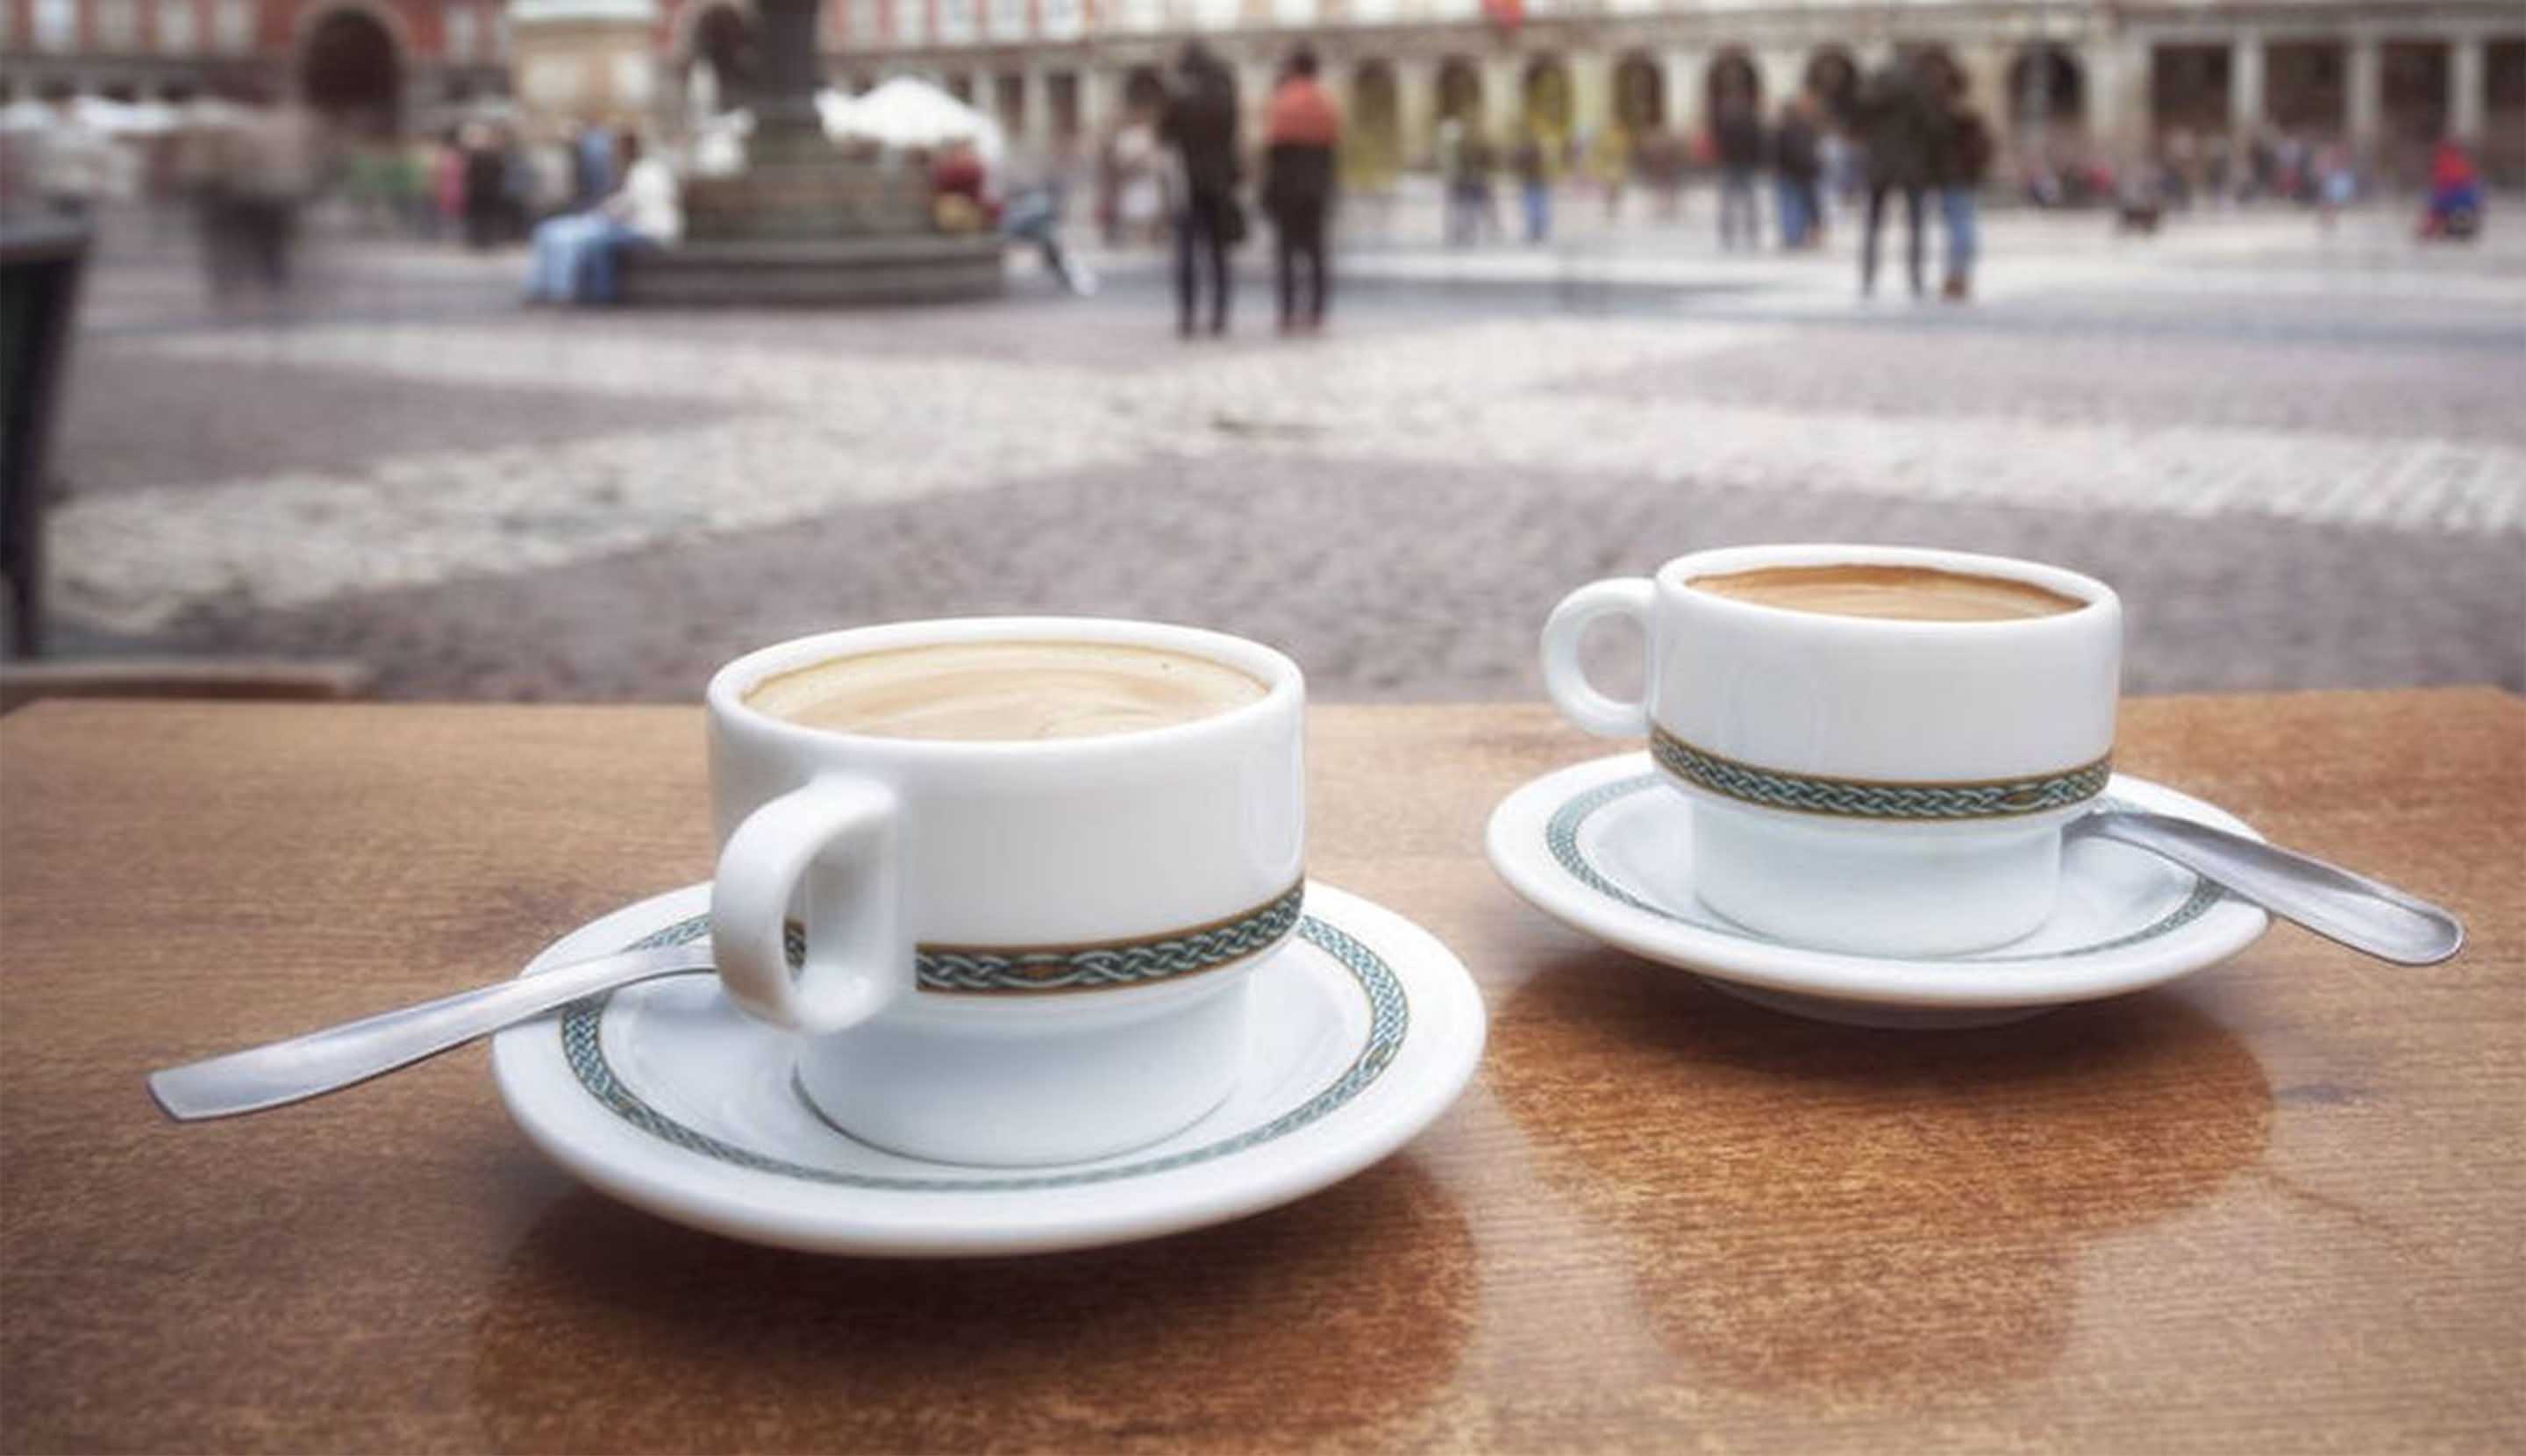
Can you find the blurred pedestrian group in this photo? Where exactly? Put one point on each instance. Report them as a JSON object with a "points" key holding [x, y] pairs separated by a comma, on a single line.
{"points": [[1183, 159]]}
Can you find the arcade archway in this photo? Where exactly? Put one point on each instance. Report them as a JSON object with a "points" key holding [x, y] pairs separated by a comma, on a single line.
{"points": [[351, 73], [1640, 94]]}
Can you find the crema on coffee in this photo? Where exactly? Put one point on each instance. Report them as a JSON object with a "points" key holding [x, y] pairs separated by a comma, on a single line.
{"points": [[1005, 691], [1901, 592]]}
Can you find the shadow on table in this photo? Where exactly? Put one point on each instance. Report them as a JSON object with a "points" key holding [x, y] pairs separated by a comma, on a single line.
{"points": [[1878, 1216], [614, 1330]]}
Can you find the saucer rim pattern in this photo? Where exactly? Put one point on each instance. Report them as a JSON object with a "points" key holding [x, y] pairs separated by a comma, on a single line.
{"points": [[1517, 843], [1561, 837], [582, 1032], [1435, 1059]]}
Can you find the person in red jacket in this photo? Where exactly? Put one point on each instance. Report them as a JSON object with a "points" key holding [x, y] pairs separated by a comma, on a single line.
{"points": [[1300, 131]]}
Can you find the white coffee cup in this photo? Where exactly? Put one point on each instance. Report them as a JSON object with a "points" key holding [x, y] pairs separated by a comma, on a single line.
{"points": [[1863, 783], [1016, 951]]}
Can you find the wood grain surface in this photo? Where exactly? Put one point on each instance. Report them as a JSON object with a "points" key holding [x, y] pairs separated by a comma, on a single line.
{"points": [[2274, 1207]]}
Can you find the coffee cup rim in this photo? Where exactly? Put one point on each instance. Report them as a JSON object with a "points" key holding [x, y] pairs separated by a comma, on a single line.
{"points": [[1284, 683], [2094, 596]]}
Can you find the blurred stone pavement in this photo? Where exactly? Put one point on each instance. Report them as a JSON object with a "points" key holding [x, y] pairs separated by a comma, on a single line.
{"points": [[2302, 457]]}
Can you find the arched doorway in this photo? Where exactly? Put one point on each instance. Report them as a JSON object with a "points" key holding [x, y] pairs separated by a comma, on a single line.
{"points": [[1832, 79], [1373, 142], [1732, 84], [1145, 91], [1545, 108], [2306, 86], [2046, 89], [2411, 104], [1640, 94], [719, 70], [1460, 91], [2187, 88], [350, 74]]}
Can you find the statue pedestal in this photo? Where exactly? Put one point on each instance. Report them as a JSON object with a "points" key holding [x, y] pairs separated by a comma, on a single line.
{"points": [[809, 224], [814, 271]]}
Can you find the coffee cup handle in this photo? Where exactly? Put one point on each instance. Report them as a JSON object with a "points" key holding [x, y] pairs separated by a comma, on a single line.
{"points": [[1563, 676], [858, 957]]}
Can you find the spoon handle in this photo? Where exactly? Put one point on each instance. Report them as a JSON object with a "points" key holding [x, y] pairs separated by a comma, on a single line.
{"points": [[2352, 909], [302, 1066]]}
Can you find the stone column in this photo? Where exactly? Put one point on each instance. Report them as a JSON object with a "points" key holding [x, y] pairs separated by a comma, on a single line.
{"points": [[2117, 76], [1986, 67], [1416, 109], [2467, 97], [2245, 84], [2366, 105], [1035, 126], [1591, 91], [787, 74], [1503, 97], [1684, 70], [1255, 78], [1100, 92], [1782, 73]]}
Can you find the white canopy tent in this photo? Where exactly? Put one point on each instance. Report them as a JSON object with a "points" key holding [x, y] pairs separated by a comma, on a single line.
{"points": [[909, 113]]}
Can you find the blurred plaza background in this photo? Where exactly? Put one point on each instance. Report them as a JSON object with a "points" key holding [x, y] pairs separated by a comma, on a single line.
{"points": [[2284, 425]]}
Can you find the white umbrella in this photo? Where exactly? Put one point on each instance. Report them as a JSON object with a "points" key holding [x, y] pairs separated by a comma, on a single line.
{"points": [[211, 111], [26, 116], [908, 113]]}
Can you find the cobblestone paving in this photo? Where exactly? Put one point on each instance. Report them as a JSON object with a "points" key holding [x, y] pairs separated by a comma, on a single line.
{"points": [[2303, 462]]}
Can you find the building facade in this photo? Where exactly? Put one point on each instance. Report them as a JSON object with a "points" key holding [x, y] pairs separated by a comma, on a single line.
{"points": [[2385, 77], [374, 64]]}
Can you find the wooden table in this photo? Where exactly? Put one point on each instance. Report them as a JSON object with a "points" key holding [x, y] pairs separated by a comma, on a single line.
{"points": [[2274, 1207]]}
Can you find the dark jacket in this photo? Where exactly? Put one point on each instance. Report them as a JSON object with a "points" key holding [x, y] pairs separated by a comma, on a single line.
{"points": [[1904, 129], [1737, 137], [1300, 137], [1964, 157], [1200, 122], [1794, 149]]}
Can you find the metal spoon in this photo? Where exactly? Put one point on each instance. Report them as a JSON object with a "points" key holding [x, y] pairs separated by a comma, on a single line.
{"points": [[337, 1057], [2352, 909]]}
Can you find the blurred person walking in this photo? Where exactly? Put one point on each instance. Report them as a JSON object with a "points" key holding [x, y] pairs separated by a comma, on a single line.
{"points": [[2454, 206], [1796, 167], [593, 164], [1962, 161], [577, 257], [1465, 166], [1200, 123], [1609, 166], [1901, 121], [1533, 171], [1662, 163], [1738, 138], [1300, 131], [485, 185]]}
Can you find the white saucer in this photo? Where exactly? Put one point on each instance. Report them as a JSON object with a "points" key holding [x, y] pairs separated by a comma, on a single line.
{"points": [[1607, 848], [668, 1097]]}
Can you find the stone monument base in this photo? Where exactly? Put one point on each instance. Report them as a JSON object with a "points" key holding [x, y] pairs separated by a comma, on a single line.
{"points": [[836, 272]]}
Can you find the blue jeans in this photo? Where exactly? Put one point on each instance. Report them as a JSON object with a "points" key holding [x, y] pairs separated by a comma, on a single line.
{"points": [[1795, 219], [1538, 197], [1957, 215], [575, 256], [1739, 220]]}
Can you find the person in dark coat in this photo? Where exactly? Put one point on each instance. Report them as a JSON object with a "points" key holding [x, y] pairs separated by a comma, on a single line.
{"points": [[1200, 123], [1797, 163], [1959, 171], [1738, 138], [1902, 117], [1299, 133]]}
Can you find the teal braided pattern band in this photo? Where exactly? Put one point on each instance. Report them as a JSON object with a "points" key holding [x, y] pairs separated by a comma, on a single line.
{"points": [[1112, 964], [1860, 798]]}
